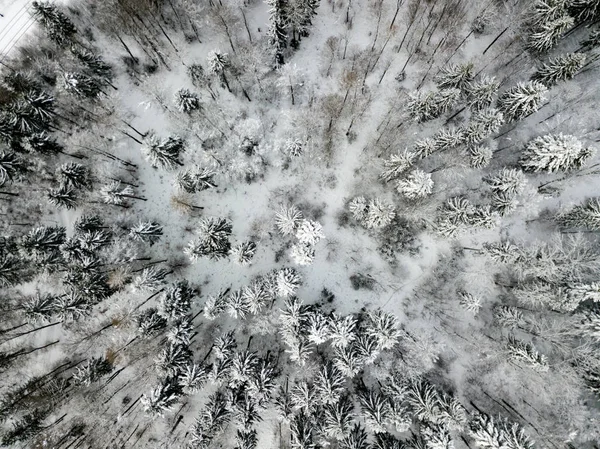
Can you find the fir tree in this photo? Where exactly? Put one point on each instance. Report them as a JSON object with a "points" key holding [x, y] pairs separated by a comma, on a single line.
{"points": [[317, 328], [552, 153], [302, 429], [58, 26], [237, 306], [470, 302], [509, 180], [521, 100], [547, 34], [63, 197], [92, 371], [449, 138], [163, 153], [243, 253], [396, 165], [504, 203], [217, 64], [186, 101], [71, 307], [561, 68], [216, 304], [480, 156], [437, 437], [303, 397], [384, 327], [94, 63], [255, 297], [417, 184], [11, 270], [455, 76], [277, 32], [342, 331], [196, 179], [585, 216], [481, 92], [427, 106], [147, 232], [348, 360]]}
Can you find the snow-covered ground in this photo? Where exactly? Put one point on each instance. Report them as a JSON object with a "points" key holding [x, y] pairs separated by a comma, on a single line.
{"points": [[15, 22]]}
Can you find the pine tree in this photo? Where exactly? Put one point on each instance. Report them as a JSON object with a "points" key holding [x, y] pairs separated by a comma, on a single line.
{"points": [[40, 307], [94, 63], [338, 418], [246, 439], [187, 101], [425, 147], [92, 371], [437, 437], [42, 240], [504, 203], [424, 401], [216, 304], [149, 322], [293, 147], [302, 429], [526, 353], [552, 153], [288, 220], [150, 279], [162, 398], [348, 360], [355, 439], [12, 270], [561, 68], [454, 416], [175, 302], [163, 153], [507, 316], [342, 331], [147, 232], [243, 253], [329, 384], [63, 197], [470, 302], [58, 26], [417, 184], [11, 167], [455, 76], [592, 41], [71, 307], [486, 432], [181, 332], [288, 281], [193, 377], [449, 138], [385, 328], [481, 92], [375, 409], [82, 85], [483, 124], [396, 165], [213, 239], [255, 297], [115, 193], [41, 143], [588, 327], [218, 64], [317, 328], [74, 175], [584, 10], [521, 100], [211, 421], [196, 179], [585, 215], [173, 359], [547, 34]]}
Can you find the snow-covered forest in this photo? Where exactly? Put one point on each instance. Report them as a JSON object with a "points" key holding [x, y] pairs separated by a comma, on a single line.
{"points": [[301, 224]]}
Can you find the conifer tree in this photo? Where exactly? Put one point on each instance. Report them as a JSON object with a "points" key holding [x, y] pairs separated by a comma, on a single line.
{"points": [[455, 76], [585, 216], [277, 33], [552, 153], [288, 281], [425, 147], [150, 279], [192, 378], [82, 85], [41, 143], [163, 153], [309, 232], [63, 197], [288, 220], [358, 207], [561, 68], [584, 10], [329, 384], [509, 180], [196, 179], [396, 165], [218, 64], [547, 34], [243, 253], [379, 214], [115, 193], [427, 106], [187, 101], [149, 322], [481, 92], [480, 156], [527, 354], [74, 175], [417, 184], [302, 254], [162, 398], [376, 410], [58, 26], [147, 232], [213, 239], [175, 302], [173, 359], [11, 166], [449, 138], [355, 439], [92, 371], [338, 418], [521, 100], [39, 307], [211, 421]]}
